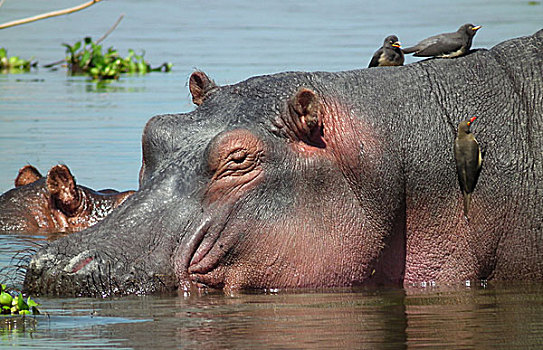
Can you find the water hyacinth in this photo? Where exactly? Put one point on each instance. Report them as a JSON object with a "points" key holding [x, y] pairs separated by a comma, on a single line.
{"points": [[16, 305], [14, 64], [86, 58]]}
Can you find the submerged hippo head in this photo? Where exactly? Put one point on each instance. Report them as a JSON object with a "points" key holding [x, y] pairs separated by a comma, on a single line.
{"points": [[27, 175], [269, 183], [314, 180], [55, 203]]}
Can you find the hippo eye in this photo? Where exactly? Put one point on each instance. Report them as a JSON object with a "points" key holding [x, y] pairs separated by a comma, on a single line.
{"points": [[239, 160], [238, 156], [233, 153]]}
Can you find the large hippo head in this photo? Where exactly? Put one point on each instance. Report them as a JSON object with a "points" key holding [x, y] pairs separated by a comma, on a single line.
{"points": [[271, 183], [296, 180]]}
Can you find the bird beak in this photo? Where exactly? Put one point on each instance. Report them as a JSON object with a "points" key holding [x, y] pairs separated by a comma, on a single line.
{"points": [[476, 28], [397, 44]]}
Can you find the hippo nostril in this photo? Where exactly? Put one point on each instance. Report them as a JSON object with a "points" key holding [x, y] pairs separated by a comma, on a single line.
{"points": [[82, 264]]}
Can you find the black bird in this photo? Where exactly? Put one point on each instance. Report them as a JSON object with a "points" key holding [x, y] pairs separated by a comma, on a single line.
{"points": [[468, 161], [390, 54], [446, 45]]}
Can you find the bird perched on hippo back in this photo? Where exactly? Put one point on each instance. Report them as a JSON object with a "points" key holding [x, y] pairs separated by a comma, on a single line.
{"points": [[468, 161], [447, 45], [390, 54]]}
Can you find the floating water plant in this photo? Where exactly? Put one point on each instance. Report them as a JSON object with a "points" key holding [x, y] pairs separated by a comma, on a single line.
{"points": [[16, 305], [85, 57], [14, 64]]}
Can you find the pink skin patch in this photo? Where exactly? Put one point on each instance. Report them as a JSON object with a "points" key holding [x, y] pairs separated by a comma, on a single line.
{"points": [[343, 136], [82, 264], [296, 260]]}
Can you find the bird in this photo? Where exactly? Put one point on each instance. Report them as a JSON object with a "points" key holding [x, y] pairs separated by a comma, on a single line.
{"points": [[447, 45], [469, 161], [390, 54]]}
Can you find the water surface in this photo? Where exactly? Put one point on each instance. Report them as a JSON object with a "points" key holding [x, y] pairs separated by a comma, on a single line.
{"points": [[48, 118]]}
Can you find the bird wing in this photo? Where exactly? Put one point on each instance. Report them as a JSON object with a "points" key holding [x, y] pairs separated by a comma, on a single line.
{"points": [[460, 167], [375, 59], [472, 165], [438, 45]]}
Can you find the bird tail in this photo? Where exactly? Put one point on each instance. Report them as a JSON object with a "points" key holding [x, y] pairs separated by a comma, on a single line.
{"points": [[408, 50], [467, 202]]}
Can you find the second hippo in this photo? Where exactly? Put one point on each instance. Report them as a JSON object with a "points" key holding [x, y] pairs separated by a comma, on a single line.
{"points": [[55, 203]]}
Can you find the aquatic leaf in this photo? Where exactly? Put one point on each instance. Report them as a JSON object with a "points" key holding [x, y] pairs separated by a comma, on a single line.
{"points": [[3, 285], [85, 59], [21, 304], [69, 47], [142, 68], [24, 312], [76, 47], [3, 53], [31, 303], [6, 299]]}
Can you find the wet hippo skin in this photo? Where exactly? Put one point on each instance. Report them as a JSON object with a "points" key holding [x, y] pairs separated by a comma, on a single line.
{"points": [[318, 180], [55, 203]]}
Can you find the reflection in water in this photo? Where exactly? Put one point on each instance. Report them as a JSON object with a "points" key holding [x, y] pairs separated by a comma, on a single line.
{"points": [[509, 316], [467, 318], [111, 86], [329, 320]]}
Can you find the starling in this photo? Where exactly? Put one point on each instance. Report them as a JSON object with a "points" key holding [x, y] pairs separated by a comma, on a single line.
{"points": [[447, 45]]}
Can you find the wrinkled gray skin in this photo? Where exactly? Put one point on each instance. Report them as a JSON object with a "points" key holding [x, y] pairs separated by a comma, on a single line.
{"points": [[326, 179]]}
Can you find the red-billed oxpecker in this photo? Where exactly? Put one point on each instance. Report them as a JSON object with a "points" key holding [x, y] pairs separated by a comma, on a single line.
{"points": [[468, 160]]}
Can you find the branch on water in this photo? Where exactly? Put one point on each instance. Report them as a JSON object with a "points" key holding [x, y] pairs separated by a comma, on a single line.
{"points": [[2, 2], [48, 15], [110, 30]]}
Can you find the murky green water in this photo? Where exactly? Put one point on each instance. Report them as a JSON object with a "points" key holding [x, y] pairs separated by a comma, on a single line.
{"points": [[48, 118]]}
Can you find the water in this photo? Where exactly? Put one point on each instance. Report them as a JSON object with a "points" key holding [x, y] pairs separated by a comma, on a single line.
{"points": [[505, 317], [48, 118]]}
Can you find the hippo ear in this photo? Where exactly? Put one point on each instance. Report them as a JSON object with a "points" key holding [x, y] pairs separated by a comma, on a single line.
{"points": [[200, 85], [63, 190], [306, 112], [27, 175]]}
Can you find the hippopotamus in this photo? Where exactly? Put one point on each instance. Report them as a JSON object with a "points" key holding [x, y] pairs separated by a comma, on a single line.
{"points": [[55, 203], [27, 175], [323, 180]]}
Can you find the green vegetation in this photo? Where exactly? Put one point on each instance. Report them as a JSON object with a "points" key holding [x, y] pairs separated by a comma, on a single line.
{"points": [[86, 58], [16, 305], [14, 64]]}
